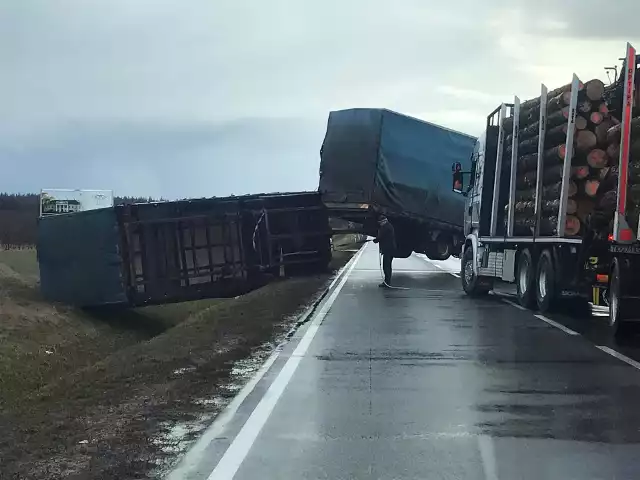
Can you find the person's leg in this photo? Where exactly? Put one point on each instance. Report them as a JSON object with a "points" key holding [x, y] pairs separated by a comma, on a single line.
{"points": [[386, 267]]}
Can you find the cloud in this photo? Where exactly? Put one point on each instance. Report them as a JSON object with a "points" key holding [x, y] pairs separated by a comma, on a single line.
{"points": [[159, 97]]}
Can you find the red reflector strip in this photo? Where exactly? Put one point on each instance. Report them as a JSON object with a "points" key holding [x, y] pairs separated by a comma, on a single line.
{"points": [[626, 133], [626, 235]]}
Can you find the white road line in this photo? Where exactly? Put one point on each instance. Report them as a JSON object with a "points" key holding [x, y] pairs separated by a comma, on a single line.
{"points": [[557, 325], [513, 304], [619, 356], [457, 275], [488, 456], [236, 453], [220, 423]]}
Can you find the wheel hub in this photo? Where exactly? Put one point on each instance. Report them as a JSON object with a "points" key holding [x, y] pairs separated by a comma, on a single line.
{"points": [[542, 283], [524, 278], [468, 271]]}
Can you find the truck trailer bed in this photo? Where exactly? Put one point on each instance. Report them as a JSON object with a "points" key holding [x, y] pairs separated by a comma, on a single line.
{"points": [[153, 253]]}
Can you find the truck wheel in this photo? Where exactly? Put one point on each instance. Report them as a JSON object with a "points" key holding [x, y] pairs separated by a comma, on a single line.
{"points": [[471, 284], [620, 310], [545, 282], [525, 280], [440, 250]]}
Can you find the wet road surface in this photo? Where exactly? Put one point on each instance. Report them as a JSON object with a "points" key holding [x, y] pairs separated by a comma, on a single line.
{"points": [[427, 383]]}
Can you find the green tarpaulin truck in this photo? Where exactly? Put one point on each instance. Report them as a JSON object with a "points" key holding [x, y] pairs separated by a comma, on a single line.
{"points": [[377, 161]]}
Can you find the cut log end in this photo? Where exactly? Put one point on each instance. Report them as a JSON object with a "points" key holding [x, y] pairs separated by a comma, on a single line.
{"points": [[596, 118], [597, 158], [591, 187], [603, 109], [581, 123], [594, 89], [585, 140], [562, 151], [580, 172], [613, 151], [572, 225]]}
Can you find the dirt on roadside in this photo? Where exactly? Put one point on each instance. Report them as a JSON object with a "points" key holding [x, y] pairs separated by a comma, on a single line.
{"points": [[90, 397]]}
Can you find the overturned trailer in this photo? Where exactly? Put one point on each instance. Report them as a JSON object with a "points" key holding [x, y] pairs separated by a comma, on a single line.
{"points": [[154, 253]]}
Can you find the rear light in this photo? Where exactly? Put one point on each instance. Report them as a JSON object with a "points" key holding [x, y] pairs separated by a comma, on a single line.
{"points": [[602, 278], [610, 237]]}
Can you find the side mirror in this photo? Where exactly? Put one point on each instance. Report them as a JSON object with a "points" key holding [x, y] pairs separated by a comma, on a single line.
{"points": [[458, 182]]}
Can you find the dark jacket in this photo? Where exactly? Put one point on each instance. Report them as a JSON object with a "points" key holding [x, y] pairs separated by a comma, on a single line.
{"points": [[387, 239]]}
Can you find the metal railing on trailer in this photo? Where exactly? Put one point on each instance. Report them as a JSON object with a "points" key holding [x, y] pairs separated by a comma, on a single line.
{"points": [[566, 173]]}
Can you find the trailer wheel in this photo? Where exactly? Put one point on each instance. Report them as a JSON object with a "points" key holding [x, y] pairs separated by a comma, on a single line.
{"points": [[525, 280], [440, 250], [471, 284], [620, 310], [545, 282]]}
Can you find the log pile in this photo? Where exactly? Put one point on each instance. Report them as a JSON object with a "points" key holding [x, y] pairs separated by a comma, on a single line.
{"points": [[589, 163], [601, 220]]}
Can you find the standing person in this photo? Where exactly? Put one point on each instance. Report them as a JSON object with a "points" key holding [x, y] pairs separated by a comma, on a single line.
{"points": [[387, 240]]}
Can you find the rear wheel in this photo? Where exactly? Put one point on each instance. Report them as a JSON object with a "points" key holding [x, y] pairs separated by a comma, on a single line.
{"points": [[440, 250], [620, 310], [525, 280], [471, 283], [545, 282]]}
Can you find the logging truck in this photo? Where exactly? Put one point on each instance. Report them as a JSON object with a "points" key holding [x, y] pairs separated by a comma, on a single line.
{"points": [[553, 197]]}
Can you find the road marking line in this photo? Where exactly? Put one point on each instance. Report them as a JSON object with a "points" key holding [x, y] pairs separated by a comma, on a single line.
{"points": [[619, 356], [488, 456], [513, 304], [557, 325], [230, 462], [457, 275], [221, 422]]}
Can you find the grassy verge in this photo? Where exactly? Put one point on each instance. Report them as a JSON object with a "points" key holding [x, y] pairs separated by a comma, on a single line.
{"points": [[106, 402]]}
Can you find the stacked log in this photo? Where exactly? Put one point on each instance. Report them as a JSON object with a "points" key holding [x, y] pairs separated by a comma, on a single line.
{"points": [[589, 163], [601, 220]]}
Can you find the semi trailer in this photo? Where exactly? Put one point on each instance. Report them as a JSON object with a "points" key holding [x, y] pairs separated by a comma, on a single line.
{"points": [[543, 243], [375, 161]]}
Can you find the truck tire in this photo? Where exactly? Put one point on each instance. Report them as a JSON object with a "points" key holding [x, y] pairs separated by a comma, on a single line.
{"points": [[441, 249], [545, 282], [471, 283], [621, 310], [525, 280]]}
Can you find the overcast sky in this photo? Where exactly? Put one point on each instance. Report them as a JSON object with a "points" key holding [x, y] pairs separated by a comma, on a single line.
{"points": [[180, 98]]}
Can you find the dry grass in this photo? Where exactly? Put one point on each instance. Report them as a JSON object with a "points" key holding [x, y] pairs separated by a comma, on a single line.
{"points": [[24, 262], [88, 396]]}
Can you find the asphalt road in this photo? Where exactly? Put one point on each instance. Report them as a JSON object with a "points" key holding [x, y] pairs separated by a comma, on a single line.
{"points": [[427, 383]]}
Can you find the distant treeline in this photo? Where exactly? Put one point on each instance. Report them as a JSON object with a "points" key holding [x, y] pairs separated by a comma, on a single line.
{"points": [[19, 216]]}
